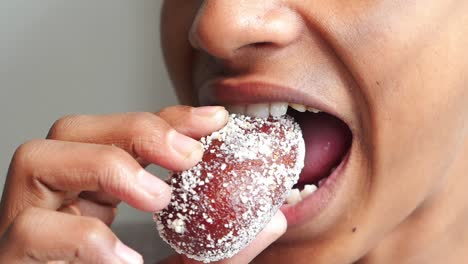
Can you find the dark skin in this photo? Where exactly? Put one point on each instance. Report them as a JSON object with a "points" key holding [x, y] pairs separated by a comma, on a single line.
{"points": [[84, 168], [394, 71]]}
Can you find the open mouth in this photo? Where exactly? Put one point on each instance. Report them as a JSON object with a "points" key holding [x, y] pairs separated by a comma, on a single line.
{"points": [[327, 133], [327, 139]]}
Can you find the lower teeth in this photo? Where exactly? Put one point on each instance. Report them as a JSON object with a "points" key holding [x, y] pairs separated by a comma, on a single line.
{"points": [[308, 190], [295, 196]]}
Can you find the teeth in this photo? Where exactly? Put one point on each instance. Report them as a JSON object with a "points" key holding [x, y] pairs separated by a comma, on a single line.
{"points": [[268, 109], [313, 110], [298, 107], [258, 110], [308, 190], [236, 109], [294, 197], [278, 109]]}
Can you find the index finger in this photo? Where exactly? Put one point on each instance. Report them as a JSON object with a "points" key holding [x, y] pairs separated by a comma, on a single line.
{"points": [[164, 138]]}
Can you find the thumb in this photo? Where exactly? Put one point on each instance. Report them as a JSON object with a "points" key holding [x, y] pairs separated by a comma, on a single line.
{"points": [[272, 231]]}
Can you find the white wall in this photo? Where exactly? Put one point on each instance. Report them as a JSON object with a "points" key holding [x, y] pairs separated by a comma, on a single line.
{"points": [[62, 57]]}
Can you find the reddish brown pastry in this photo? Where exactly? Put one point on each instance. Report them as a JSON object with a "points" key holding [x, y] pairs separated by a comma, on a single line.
{"points": [[221, 204]]}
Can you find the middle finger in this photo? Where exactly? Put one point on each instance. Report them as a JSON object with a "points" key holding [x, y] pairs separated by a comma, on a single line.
{"points": [[48, 173]]}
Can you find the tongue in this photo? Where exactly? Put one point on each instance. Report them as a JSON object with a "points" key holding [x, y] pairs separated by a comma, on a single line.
{"points": [[327, 140]]}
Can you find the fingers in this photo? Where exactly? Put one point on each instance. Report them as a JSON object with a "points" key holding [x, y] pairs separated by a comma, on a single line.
{"points": [[100, 198], [48, 173], [274, 230], [38, 235], [192, 121], [83, 207], [155, 138]]}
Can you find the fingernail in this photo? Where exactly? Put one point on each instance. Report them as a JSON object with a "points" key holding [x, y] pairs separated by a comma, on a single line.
{"points": [[185, 146], [277, 225], [127, 255], [209, 111], [159, 190]]}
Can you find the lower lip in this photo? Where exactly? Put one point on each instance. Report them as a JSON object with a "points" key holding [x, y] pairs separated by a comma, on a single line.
{"points": [[313, 205]]}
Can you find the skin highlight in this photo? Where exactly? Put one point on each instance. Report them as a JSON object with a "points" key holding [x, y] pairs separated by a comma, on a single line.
{"points": [[395, 71]]}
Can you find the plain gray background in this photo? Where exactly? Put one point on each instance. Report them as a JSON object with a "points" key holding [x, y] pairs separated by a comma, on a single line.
{"points": [[81, 57]]}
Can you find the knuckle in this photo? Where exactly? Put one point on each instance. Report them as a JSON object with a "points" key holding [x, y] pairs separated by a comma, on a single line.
{"points": [[147, 145], [62, 126], [21, 229], [26, 148], [25, 217], [116, 170], [175, 110], [146, 131], [110, 157], [177, 114], [120, 185], [142, 122], [25, 154]]}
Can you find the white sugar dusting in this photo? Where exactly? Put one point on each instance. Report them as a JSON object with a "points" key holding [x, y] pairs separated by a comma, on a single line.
{"points": [[251, 165]]}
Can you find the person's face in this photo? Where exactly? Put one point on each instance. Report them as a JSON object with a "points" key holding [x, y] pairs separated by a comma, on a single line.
{"points": [[393, 71]]}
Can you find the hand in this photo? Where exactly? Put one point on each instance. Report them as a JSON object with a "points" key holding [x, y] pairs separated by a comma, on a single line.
{"points": [[275, 228], [61, 193]]}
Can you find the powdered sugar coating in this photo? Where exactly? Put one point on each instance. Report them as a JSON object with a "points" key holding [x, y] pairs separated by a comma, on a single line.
{"points": [[220, 205]]}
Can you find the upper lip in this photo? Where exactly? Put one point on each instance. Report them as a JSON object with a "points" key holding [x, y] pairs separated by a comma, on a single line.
{"points": [[227, 92]]}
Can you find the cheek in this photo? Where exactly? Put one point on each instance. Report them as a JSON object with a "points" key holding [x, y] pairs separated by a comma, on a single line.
{"points": [[407, 64], [407, 69], [176, 20]]}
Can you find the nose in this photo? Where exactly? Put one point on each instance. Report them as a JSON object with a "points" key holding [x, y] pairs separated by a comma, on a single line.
{"points": [[223, 27]]}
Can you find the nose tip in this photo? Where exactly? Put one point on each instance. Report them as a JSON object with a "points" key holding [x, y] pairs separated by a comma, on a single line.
{"points": [[223, 27]]}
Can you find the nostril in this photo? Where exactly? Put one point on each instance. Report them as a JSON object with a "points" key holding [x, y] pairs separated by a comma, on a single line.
{"points": [[221, 27], [260, 45]]}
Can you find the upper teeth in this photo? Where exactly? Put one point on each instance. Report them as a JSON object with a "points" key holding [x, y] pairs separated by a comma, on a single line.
{"points": [[258, 110], [298, 107], [295, 196], [313, 110], [268, 109]]}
